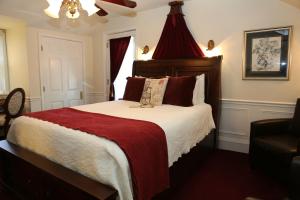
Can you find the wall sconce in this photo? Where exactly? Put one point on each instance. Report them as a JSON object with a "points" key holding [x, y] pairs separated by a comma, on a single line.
{"points": [[210, 45], [211, 50], [146, 49]]}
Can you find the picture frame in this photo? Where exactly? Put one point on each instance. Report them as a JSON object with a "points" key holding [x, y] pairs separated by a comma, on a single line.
{"points": [[267, 54]]}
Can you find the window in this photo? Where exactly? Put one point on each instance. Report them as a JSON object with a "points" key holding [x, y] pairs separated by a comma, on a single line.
{"points": [[4, 83]]}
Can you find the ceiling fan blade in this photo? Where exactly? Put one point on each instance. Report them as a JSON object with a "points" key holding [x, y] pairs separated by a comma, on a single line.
{"points": [[101, 12], [126, 3], [115, 9]]}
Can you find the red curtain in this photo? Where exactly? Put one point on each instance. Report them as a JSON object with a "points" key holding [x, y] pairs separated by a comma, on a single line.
{"points": [[176, 40], [118, 48]]}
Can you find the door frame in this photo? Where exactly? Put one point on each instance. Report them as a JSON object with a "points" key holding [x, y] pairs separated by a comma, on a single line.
{"points": [[106, 53], [68, 37]]}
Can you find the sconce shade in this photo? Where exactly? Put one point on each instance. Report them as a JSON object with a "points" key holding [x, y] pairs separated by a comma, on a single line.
{"points": [[146, 49], [210, 45], [176, 40]]}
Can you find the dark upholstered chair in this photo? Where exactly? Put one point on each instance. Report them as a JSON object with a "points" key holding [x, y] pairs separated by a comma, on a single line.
{"points": [[12, 108], [295, 179], [274, 143]]}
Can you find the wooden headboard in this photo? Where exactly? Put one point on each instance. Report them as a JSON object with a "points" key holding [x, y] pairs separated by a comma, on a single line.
{"points": [[188, 67]]}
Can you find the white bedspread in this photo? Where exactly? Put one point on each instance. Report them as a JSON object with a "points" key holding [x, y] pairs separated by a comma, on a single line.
{"points": [[101, 159]]}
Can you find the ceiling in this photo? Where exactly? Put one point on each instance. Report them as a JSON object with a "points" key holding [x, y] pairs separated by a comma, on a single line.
{"points": [[32, 12], [295, 3]]}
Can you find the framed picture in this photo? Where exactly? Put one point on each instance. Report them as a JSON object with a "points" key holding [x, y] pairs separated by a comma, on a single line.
{"points": [[267, 53]]}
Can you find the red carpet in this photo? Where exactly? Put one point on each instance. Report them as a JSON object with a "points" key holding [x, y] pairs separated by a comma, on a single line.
{"points": [[6, 194], [224, 176]]}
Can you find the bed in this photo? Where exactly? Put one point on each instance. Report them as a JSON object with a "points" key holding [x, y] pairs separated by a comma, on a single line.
{"points": [[37, 167]]}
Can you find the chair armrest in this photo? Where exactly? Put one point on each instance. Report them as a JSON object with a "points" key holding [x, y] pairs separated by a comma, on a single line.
{"points": [[295, 179], [274, 126], [267, 126]]}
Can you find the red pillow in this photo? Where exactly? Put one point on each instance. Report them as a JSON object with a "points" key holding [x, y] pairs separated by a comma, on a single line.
{"points": [[134, 89], [180, 90]]}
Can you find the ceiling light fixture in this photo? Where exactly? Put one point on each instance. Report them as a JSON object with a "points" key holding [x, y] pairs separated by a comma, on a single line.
{"points": [[72, 8]]}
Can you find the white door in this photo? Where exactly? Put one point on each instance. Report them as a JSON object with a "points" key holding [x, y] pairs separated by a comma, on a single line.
{"points": [[61, 64]]}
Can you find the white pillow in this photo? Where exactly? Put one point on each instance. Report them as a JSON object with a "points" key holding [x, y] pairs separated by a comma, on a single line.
{"points": [[154, 91], [199, 90]]}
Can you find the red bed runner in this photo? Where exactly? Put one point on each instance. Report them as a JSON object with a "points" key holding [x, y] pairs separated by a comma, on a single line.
{"points": [[144, 144]]}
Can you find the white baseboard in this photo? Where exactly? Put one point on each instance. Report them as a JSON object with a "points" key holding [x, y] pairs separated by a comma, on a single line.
{"points": [[95, 97], [35, 104], [233, 144], [236, 116]]}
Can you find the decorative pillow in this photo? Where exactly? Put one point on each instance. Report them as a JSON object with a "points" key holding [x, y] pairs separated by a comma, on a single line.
{"points": [[134, 89], [199, 91], [153, 93], [179, 91]]}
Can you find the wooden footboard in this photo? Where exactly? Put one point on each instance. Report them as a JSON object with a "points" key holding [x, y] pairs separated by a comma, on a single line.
{"points": [[33, 177]]}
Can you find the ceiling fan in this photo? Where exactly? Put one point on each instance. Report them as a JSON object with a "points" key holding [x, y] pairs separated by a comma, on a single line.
{"points": [[125, 3], [73, 8]]}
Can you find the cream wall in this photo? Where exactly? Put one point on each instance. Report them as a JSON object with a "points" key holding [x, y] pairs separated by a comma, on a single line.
{"points": [[224, 22], [99, 63], [16, 51]]}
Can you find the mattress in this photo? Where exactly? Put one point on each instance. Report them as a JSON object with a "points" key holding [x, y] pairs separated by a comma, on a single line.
{"points": [[101, 159]]}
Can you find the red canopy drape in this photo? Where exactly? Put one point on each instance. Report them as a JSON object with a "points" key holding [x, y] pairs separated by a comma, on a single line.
{"points": [[176, 40], [118, 48]]}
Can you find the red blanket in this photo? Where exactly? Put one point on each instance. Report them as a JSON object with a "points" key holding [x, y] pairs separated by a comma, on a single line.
{"points": [[144, 144]]}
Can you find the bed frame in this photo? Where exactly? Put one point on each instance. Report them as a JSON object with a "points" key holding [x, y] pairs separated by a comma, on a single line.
{"points": [[31, 176]]}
